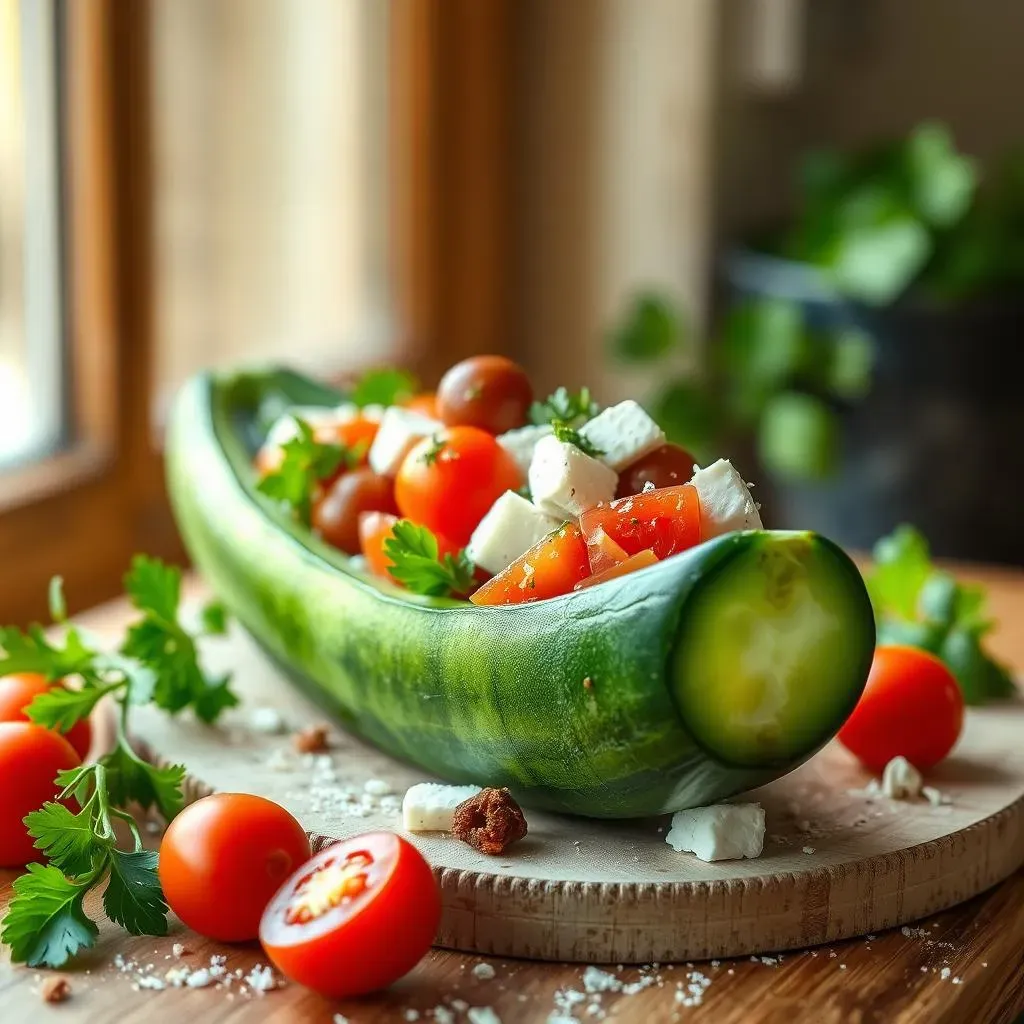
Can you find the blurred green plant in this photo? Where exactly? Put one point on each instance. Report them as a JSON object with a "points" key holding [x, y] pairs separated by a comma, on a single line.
{"points": [[908, 214]]}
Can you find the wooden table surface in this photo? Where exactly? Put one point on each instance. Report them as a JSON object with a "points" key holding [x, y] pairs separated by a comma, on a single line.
{"points": [[965, 965]]}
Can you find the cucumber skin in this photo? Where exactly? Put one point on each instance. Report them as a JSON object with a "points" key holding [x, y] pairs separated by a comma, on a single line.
{"points": [[492, 696]]}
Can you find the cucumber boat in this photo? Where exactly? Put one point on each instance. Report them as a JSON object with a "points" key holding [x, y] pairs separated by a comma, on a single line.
{"points": [[709, 673]]}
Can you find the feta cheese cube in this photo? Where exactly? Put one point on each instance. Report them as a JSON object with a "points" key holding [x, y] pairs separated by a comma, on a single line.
{"points": [[399, 430], [564, 481], [284, 428], [375, 413], [513, 525], [520, 444], [430, 806], [901, 780], [725, 501], [718, 832], [624, 433]]}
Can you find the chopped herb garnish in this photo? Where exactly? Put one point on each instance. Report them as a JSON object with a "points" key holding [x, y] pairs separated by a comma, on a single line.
{"points": [[384, 387], [571, 409], [569, 435], [416, 562]]}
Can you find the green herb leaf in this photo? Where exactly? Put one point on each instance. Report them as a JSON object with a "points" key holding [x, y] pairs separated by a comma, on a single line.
{"points": [[131, 779], [852, 357], [413, 551], [384, 387], [45, 923], [565, 406], [900, 569], [304, 463], [876, 262], [154, 588], [980, 676], [60, 708], [215, 696], [569, 435], [134, 899], [652, 328], [67, 839], [214, 617], [690, 417], [798, 436], [942, 180], [78, 782], [31, 651]]}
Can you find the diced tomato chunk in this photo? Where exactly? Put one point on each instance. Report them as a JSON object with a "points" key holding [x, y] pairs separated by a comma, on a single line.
{"points": [[667, 521], [603, 551], [553, 566], [640, 560]]}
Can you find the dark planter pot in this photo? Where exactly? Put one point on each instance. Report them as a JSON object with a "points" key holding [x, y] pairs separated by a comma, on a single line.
{"points": [[939, 441]]}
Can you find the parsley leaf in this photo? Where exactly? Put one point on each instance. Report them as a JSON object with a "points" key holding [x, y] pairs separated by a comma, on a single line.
{"points": [[572, 409], [67, 839], [304, 462], [130, 779], [31, 651], [384, 387], [214, 618], [569, 435], [60, 708], [917, 604], [133, 898], [415, 561], [46, 923]]}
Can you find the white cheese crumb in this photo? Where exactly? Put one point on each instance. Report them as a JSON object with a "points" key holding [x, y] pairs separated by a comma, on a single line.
{"points": [[623, 433], [266, 720], [442, 1015], [596, 980], [725, 501], [521, 442], [279, 761], [460, 1005], [411, 1015], [482, 1015], [261, 979], [178, 950], [340, 1018], [945, 973], [719, 832], [430, 806], [199, 979], [483, 971], [934, 796], [901, 780], [808, 850], [378, 787]]}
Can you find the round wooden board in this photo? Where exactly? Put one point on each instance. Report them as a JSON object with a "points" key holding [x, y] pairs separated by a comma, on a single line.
{"points": [[836, 863]]}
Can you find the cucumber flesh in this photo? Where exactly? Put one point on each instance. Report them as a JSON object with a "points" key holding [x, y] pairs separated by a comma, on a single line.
{"points": [[766, 651]]}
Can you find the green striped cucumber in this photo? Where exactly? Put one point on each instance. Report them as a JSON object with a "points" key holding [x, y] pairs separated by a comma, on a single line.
{"points": [[706, 674]]}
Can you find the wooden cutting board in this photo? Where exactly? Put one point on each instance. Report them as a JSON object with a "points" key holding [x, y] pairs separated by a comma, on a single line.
{"points": [[837, 863]]}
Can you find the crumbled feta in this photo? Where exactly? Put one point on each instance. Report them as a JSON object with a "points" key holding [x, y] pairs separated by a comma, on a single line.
{"points": [[935, 796], [429, 806], [719, 832], [521, 442], [266, 720], [482, 1015], [901, 780], [565, 481], [399, 430], [358, 563], [483, 971], [725, 501], [623, 433], [512, 526], [378, 787]]}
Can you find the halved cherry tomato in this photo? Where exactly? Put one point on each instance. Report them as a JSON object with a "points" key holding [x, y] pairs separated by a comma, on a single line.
{"points": [[553, 566], [640, 560], [377, 527], [448, 482], [224, 857], [425, 403], [19, 690], [30, 758], [911, 707], [489, 392], [603, 552], [667, 521], [336, 513], [355, 918]]}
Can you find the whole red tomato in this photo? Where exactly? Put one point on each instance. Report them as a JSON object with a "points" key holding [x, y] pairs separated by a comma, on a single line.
{"points": [[19, 690], [911, 707], [224, 857], [30, 758], [448, 482], [355, 918]]}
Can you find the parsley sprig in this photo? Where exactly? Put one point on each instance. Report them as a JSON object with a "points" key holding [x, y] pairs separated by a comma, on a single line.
{"points": [[570, 435], [46, 923], [917, 604], [305, 461], [571, 409], [416, 562]]}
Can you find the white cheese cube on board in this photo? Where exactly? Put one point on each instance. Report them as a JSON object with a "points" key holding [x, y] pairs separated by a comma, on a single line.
{"points": [[399, 430], [725, 501], [901, 780], [624, 433], [430, 806], [564, 481], [512, 525], [521, 442], [284, 428], [718, 832]]}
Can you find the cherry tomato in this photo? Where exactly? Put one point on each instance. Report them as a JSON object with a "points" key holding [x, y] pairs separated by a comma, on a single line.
{"points": [[666, 521], [448, 482], [224, 857], [19, 690], [553, 566], [425, 403], [667, 466], [355, 918], [30, 758], [374, 529], [911, 707], [336, 515], [355, 434], [603, 552], [489, 392]]}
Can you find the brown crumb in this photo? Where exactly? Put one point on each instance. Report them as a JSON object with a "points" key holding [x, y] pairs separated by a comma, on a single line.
{"points": [[588, 683], [490, 822], [311, 740], [55, 989]]}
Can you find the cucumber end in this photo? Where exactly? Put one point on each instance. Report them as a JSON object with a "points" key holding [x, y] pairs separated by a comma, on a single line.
{"points": [[774, 650]]}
